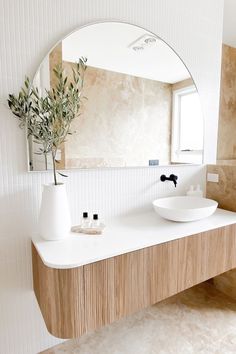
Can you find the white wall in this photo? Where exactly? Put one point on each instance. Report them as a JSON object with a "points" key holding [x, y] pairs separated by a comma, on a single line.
{"points": [[27, 31]]}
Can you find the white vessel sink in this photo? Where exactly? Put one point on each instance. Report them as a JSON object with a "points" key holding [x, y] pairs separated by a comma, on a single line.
{"points": [[184, 209]]}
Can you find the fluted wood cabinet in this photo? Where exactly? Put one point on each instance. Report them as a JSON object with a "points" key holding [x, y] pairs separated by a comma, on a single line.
{"points": [[77, 300]]}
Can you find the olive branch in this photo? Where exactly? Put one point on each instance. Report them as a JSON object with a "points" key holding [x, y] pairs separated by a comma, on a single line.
{"points": [[48, 117]]}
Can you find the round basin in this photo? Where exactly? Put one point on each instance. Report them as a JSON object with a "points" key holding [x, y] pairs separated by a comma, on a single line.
{"points": [[184, 209]]}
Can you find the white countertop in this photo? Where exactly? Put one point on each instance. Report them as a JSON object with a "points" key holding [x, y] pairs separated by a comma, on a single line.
{"points": [[123, 235]]}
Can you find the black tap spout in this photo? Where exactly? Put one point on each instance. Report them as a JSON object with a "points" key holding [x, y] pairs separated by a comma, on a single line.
{"points": [[172, 178]]}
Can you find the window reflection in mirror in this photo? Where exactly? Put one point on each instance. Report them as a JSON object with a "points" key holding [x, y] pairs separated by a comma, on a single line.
{"points": [[142, 106], [187, 126]]}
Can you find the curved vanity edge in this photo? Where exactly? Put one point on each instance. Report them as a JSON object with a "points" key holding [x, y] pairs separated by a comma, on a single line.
{"points": [[60, 295], [124, 235]]}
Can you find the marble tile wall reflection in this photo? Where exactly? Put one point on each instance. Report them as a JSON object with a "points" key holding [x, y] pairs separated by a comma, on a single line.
{"points": [[125, 121]]}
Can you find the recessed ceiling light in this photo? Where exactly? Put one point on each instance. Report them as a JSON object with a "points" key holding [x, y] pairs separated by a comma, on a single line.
{"points": [[145, 41], [150, 40], [137, 48]]}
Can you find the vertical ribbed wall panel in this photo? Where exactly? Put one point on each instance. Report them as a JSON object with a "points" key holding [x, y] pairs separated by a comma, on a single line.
{"points": [[28, 29]]}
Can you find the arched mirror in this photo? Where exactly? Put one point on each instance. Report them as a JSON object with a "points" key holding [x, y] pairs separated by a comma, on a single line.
{"points": [[142, 107]]}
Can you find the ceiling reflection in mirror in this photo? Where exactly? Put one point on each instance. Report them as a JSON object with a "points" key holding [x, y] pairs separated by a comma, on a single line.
{"points": [[142, 107]]}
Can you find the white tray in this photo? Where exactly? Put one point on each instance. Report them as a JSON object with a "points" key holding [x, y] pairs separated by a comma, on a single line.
{"points": [[88, 230]]}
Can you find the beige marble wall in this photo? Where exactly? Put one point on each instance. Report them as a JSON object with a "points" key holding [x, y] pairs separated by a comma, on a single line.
{"points": [[224, 192], [125, 122], [55, 59], [226, 149]]}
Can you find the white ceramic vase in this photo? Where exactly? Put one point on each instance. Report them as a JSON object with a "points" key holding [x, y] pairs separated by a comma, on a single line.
{"points": [[54, 216]]}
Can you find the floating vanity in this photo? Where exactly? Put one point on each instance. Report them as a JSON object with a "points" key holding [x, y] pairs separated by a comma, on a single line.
{"points": [[84, 282]]}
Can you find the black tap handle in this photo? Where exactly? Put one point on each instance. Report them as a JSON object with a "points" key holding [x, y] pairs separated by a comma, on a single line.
{"points": [[172, 176], [163, 178]]}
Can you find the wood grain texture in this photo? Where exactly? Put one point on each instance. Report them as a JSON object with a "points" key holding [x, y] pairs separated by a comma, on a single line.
{"points": [[221, 254], [75, 301], [99, 293], [162, 271], [131, 291], [226, 282], [60, 295], [190, 256]]}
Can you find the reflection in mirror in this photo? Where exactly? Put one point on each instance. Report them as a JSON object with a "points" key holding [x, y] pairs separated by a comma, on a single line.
{"points": [[142, 107]]}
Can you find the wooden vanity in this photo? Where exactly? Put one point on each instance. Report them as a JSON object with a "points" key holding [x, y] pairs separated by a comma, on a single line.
{"points": [[76, 299]]}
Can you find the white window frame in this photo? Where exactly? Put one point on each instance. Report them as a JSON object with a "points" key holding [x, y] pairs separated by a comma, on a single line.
{"points": [[178, 155]]}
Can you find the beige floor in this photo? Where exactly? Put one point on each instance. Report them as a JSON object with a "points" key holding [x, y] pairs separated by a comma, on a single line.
{"points": [[201, 320]]}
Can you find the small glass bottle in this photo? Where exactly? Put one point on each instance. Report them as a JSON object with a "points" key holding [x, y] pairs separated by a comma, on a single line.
{"points": [[95, 222], [190, 192], [85, 221], [198, 191]]}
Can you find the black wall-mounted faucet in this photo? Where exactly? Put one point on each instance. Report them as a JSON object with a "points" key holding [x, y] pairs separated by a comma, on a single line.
{"points": [[172, 178]]}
